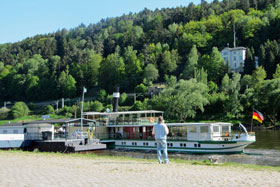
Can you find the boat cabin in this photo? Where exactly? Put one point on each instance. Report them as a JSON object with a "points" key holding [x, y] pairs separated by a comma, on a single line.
{"points": [[11, 135], [217, 131], [127, 124]]}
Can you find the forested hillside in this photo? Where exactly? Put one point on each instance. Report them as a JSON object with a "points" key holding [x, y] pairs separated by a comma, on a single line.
{"points": [[179, 46]]}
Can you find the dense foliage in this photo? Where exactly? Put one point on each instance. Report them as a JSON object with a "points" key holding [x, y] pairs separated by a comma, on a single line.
{"points": [[137, 50], [19, 109]]}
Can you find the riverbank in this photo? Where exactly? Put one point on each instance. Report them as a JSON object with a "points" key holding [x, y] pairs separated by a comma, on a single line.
{"points": [[50, 169]]}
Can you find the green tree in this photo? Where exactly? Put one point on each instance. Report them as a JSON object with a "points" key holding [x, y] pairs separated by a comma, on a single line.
{"points": [[182, 100], [169, 61], [269, 96], [233, 106], [49, 109], [138, 105], [19, 109], [225, 84], [250, 64], [200, 75], [123, 98], [96, 106], [112, 71], [141, 88], [246, 82], [101, 96], [150, 74], [276, 75], [66, 85], [191, 64], [133, 69], [91, 68], [215, 66], [258, 77], [170, 80]]}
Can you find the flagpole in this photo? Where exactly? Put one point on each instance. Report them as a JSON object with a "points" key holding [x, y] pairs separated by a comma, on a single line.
{"points": [[252, 122], [82, 108]]}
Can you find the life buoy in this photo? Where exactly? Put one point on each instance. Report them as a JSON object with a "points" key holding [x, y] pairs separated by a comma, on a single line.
{"points": [[152, 120]]}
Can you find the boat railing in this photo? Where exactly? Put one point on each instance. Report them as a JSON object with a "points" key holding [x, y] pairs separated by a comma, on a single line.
{"points": [[77, 135], [127, 121], [134, 136], [176, 138]]}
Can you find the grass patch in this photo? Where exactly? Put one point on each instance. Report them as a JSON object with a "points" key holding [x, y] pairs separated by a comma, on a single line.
{"points": [[30, 118]]}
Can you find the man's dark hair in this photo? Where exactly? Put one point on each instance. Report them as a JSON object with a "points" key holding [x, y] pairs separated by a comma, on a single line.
{"points": [[160, 119]]}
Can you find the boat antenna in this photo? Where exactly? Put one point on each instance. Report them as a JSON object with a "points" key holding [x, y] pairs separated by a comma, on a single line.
{"points": [[82, 108], [234, 38]]}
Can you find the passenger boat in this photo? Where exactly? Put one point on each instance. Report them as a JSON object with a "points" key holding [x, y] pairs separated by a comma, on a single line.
{"points": [[133, 130]]}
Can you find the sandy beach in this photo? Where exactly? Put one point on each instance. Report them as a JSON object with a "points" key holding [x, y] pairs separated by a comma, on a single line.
{"points": [[30, 169]]}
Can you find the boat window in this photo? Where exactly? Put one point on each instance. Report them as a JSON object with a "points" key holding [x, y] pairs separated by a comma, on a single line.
{"points": [[5, 131], [216, 129], [15, 131], [193, 129], [225, 128], [204, 129]]}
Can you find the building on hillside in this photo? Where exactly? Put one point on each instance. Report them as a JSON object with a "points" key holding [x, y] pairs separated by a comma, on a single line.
{"points": [[235, 58]]}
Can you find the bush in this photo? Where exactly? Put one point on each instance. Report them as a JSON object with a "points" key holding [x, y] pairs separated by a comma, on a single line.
{"points": [[141, 88], [110, 107], [49, 109], [67, 111], [4, 113], [102, 95], [138, 105], [19, 109], [122, 98], [96, 106], [123, 108]]}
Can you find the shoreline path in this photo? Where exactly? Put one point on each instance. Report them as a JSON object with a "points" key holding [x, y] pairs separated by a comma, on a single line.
{"points": [[28, 169]]}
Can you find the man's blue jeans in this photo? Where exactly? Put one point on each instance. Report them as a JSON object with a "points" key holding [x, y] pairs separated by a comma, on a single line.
{"points": [[162, 146]]}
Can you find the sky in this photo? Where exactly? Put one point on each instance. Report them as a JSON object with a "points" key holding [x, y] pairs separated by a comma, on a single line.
{"points": [[20, 19]]}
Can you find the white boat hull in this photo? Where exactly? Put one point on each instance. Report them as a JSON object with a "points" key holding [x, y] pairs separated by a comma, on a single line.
{"points": [[200, 147]]}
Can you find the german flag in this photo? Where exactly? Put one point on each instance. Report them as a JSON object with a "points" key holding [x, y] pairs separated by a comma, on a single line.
{"points": [[258, 116]]}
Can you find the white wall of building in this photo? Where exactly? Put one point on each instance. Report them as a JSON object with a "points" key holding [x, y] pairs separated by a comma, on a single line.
{"points": [[235, 57]]}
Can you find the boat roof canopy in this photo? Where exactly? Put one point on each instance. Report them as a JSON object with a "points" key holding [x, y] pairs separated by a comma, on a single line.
{"points": [[124, 112], [198, 124]]}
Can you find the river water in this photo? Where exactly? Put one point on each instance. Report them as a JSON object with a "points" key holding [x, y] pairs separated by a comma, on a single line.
{"points": [[265, 151]]}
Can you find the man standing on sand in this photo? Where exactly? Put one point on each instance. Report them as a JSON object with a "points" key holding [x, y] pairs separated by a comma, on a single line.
{"points": [[160, 131]]}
